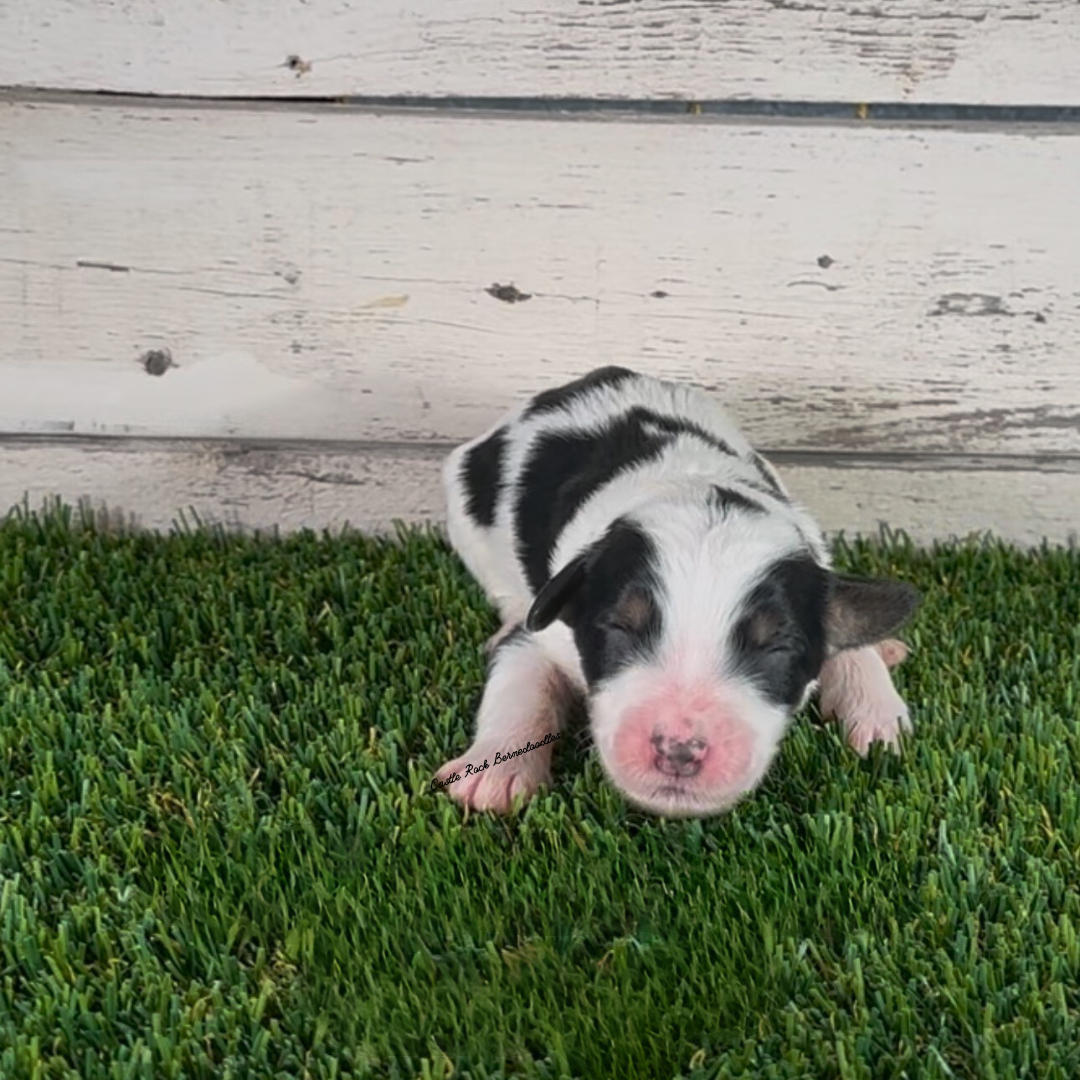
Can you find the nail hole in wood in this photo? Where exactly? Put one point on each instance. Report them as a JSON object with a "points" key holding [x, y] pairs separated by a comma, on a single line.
{"points": [[157, 361], [509, 294]]}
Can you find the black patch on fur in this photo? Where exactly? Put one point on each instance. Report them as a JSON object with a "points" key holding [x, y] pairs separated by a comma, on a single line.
{"points": [[560, 397], [727, 499], [780, 634], [621, 564], [677, 425], [770, 484], [566, 468], [482, 474]]}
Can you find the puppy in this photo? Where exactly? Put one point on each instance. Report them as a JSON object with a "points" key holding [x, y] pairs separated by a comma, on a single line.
{"points": [[643, 556]]}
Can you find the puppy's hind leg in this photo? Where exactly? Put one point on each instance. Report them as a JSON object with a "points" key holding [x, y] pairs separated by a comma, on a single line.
{"points": [[526, 698]]}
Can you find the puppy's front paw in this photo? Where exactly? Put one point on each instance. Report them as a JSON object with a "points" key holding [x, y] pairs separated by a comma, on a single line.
{"points": [[856, 688], [875, 721], [494, 785]]}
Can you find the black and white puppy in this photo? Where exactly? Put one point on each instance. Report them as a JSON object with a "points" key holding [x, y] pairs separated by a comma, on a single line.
{"points": [[642, 555]]}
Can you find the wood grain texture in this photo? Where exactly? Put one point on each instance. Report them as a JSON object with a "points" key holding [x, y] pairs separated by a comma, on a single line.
{"points": [[319, 274], [967, 51], [150, 483]]}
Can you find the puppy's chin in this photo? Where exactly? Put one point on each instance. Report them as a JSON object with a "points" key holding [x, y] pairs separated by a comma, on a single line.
{"points": [[680, 797], [674, 801]]}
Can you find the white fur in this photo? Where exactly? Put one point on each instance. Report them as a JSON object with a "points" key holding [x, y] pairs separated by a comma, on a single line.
{"points": [[856, 688], [708, 564], [709, 561], [487, 553], [524, 700]]}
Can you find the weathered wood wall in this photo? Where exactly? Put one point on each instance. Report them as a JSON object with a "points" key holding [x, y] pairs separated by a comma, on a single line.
{"points": [[1008, 52], [279, 311]]}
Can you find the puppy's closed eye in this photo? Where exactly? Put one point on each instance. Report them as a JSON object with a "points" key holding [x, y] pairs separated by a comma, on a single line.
{"points": [[632, 614], [768, 629]]}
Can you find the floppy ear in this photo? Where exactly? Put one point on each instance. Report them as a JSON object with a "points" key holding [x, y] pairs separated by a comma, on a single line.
{"points": [[552, 599], [864, 611]]}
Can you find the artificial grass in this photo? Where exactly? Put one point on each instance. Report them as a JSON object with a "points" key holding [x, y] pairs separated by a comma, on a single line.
{"points": [[221, 856]]}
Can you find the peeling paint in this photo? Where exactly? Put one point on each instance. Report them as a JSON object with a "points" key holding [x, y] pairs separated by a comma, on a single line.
{"points": [[820, 284], [509, 294], [395, 301], [289, 273], [157, 361], [297, 65], [959, 303]]}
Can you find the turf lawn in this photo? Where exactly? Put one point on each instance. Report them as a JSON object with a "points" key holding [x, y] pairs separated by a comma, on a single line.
{"points": [[220, 855]]}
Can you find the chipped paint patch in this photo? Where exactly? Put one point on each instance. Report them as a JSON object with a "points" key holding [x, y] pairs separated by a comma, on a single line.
{"points": [[509, 294], [157, 361], [395, 301], [290, 273], [959, 303]]}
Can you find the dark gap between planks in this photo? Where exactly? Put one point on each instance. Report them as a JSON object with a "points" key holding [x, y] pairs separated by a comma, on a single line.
{"points": [[434, 450], [879, 111]]}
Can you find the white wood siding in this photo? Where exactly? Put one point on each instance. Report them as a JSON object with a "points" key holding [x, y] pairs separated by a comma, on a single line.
{"points": [[317, 275], [968, 51], [151, 483], [278, 312]]}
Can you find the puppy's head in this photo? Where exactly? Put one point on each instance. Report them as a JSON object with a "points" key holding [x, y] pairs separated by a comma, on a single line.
{"points": [[700, 634]]}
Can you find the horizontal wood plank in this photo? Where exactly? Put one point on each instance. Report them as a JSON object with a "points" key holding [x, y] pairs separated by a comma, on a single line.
{"points": [[151, 483], [303, 274], [968, 51]]}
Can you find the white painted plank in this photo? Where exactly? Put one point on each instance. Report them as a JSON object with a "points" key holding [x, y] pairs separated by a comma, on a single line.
{"points": [[966, 51], [150, 483], [318, 274]]}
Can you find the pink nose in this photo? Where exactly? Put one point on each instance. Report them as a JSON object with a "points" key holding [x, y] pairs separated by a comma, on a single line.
{"points": [[679, 757], [684, 738], [717, 752]]}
